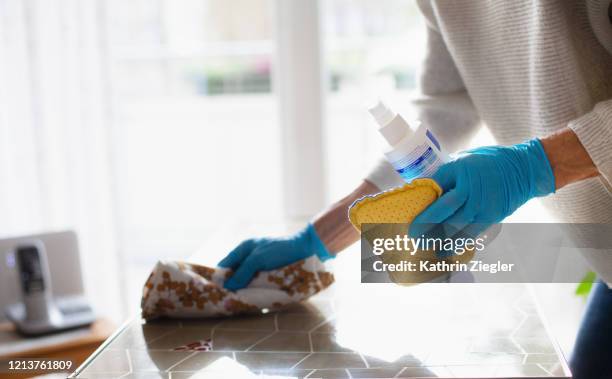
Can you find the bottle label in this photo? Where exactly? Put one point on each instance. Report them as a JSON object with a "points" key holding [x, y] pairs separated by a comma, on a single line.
{"points": [[423, 161], [433, 139]]}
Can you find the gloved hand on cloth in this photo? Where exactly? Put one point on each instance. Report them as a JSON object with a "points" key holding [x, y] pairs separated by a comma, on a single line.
{"points": [[266, 273], [485, 185], [264, 254]]}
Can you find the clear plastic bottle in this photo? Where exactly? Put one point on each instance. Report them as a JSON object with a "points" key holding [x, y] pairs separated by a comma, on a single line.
{"points": [[413, 154]]}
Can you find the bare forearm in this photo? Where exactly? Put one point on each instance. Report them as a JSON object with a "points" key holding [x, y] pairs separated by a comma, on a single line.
{"points": [[569, 160], [333, 225]]}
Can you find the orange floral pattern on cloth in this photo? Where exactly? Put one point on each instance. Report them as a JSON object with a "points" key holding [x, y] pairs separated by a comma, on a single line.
{"points": [[183, 290]]}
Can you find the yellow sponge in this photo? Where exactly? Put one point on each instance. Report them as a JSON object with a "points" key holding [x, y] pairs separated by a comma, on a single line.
{"points": [[399, 205], [396, 208]]}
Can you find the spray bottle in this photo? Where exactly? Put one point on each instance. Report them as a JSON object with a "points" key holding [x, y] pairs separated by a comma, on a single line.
{"points": [[413, 154]]}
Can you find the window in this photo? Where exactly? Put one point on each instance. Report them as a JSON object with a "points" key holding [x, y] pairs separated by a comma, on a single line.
{"points": [[193, 105]]}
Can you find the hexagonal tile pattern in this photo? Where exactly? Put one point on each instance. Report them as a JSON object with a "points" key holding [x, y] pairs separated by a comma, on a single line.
{"points": [[449, 332]]}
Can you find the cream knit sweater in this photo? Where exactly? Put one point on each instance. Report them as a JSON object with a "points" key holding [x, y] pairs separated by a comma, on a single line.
{"points": [[524, 68]]}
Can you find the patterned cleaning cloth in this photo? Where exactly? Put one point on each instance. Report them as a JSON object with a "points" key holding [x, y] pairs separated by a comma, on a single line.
{"points": [[183, 290]]}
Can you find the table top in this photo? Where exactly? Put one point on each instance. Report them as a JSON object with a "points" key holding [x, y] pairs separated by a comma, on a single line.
{"points": [[380, 330], [13, 345]]}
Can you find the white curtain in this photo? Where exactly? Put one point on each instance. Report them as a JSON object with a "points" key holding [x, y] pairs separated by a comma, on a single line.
{"points": [[55, 132]]}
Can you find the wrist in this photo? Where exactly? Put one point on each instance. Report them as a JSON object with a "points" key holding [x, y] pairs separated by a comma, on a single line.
{"points": [[568, 159], [316, 244]]}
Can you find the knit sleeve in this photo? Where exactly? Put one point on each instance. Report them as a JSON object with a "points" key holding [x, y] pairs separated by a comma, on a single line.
{"points": [[442, 103], [594, 130]]}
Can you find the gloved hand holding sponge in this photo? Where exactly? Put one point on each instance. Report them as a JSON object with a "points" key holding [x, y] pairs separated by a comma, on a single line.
{"points": [[485, 185], [481, 186]]}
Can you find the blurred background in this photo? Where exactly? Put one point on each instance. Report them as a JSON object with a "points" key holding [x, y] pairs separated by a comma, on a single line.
{"points": [[155, 127]]}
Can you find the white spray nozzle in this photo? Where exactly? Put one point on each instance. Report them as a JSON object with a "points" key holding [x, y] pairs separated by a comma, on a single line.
{"points": [[382, 114], [392, 126]]}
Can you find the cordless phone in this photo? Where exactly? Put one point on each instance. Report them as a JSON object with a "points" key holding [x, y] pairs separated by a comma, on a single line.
{"points": [[39, 312]]}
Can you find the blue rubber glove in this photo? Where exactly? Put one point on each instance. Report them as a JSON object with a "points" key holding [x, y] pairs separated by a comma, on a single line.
{"points": [[484, 186], [264, 254]]}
